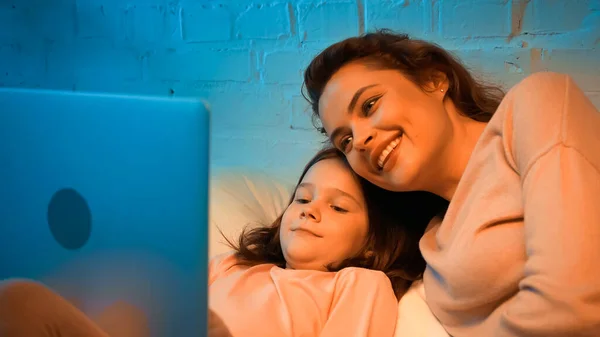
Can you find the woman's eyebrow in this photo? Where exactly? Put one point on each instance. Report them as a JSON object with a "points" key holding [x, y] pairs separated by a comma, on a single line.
{"points": [[356, 96]]}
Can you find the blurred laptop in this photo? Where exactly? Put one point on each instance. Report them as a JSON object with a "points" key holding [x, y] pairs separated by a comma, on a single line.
{"points": [[104, 198]]}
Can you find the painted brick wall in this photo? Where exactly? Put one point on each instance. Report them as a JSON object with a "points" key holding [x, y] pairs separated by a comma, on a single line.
{"points": [[246, 57]]}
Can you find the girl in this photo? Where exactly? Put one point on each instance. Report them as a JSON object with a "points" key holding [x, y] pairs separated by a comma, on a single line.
{"points": [[516, 252], [330, 265]]}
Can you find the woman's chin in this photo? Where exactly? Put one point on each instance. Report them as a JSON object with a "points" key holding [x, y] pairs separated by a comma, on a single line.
{"points": [[400, 178], [394, 180]]}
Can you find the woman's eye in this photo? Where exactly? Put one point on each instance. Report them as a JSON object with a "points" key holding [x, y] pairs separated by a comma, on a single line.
{"points": [[368, 105], [345, 143], [302, 201], [339, 209]]}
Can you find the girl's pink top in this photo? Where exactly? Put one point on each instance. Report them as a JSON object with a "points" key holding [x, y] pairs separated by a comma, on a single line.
{"points": [[266, 300]]}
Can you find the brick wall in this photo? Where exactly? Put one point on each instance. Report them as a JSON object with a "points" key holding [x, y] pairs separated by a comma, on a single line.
{"points": [[246, 57]]}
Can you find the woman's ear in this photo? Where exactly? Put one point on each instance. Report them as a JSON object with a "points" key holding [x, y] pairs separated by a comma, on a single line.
{"points": [[438, 82]]}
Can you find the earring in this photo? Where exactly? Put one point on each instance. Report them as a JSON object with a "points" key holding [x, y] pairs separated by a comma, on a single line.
{"points": [[442, 90]]}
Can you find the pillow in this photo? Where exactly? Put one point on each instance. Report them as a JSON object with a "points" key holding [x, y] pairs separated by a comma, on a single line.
{"points": [[243, 198], [414, 317]]}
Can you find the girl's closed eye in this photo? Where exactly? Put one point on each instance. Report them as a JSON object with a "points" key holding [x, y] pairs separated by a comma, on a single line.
{"points": [[339, 209]]}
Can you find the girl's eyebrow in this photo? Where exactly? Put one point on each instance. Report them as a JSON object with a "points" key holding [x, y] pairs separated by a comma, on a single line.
{"points": [[334, 190]]}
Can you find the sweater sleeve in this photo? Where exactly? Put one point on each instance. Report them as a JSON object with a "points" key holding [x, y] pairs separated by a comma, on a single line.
{"points": [[364, 305], [556, 150]]}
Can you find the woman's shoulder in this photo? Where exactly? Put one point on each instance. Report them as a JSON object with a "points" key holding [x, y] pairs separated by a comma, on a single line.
{"points": [[535, 107], [544, 77], [543, 84], [544, 110]]}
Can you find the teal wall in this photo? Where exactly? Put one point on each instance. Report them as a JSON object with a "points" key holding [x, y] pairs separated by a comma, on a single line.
{"points": [[246, 57]]}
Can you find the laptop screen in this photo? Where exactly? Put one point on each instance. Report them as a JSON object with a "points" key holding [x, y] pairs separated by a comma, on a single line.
{"points": [[104, 198]]}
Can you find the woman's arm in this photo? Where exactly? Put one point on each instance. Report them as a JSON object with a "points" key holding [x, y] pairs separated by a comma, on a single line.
{"points": [[556, 148], [364, 305]]}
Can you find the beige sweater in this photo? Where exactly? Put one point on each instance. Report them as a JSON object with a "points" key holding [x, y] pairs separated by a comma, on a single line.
{"points": [[518, 252]]}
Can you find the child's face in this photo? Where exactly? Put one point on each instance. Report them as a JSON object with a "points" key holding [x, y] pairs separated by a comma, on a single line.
{"points": [[327, 222]]}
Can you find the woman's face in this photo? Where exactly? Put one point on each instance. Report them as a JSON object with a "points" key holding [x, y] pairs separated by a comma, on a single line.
{"points": [[327, 222], [392, 131]]}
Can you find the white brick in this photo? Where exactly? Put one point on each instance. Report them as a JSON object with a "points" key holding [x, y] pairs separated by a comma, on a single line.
{"points": [[501, 66], [511, 61], [595, 98], [261, 21], [203, 22], [410, 17], [150, 24], [328, 21], [89, 61], [235, 151], [20, 65], [285, 67], [301, 117], [26, 20], [475, 18], [96, 19], [292, 155], [582, 64], [554, 16], [248, 107], [11, 15], [200, 65]]}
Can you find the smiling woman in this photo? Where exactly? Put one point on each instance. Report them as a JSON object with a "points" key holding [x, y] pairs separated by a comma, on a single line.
{"points": [[418, 97], [521, 173]]}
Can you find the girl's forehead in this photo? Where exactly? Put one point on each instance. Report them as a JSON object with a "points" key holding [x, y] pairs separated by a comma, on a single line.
{"points": [[332, 173]]}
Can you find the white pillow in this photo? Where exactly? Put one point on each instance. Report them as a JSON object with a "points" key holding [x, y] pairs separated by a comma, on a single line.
{"points": [[241, 197], [415, 319]]}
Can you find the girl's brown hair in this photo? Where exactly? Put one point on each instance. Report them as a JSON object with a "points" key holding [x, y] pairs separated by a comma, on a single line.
{"points": [[418, 60], [393, 242]]}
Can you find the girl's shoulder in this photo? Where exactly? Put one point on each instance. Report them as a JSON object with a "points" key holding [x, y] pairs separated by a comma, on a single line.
{"points": [[227, 258], [221, 264], [362, 276]]}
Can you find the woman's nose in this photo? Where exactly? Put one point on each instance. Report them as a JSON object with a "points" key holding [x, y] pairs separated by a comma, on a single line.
{"points": [[363, 136]]}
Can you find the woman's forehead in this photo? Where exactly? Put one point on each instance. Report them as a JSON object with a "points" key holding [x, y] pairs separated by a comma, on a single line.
{"points": [[347, 78], [351, 79]]}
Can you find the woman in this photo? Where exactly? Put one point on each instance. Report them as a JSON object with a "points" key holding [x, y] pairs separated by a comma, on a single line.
{"points": [[516, 251]]}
